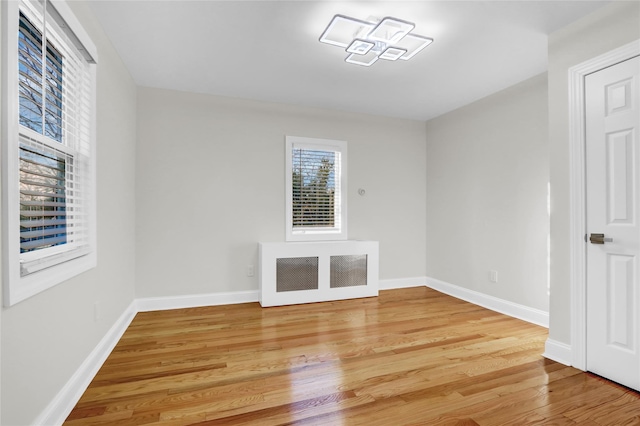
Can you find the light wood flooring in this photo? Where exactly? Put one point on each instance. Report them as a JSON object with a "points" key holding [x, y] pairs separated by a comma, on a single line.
{"points": [[408, 357]]}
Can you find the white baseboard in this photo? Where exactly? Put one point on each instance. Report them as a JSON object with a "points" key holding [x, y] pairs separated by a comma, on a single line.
{"points": [[196, 300], [401, 283], [557, 351], [60, 407], [525, 313]]}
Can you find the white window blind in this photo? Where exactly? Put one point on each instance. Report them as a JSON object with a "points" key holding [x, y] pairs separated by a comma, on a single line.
{"points": [[314, 188], [316, 176], [43, 114], [43, 200], [50, 165], [54, 142]]}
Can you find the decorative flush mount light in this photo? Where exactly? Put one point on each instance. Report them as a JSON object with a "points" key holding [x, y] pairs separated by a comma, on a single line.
{"points": [[366, 42]]}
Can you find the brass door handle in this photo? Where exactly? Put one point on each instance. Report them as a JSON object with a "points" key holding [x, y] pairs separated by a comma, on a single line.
{"points": [[599, 239]]}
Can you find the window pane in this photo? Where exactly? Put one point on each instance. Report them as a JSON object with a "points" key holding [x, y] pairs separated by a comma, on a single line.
{"points": [[30, 75], [313, 188], [53, 98], [43, 207], [36, 111]]}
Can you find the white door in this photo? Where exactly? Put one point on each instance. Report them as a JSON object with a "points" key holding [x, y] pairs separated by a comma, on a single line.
{"points": [[612, 98]]}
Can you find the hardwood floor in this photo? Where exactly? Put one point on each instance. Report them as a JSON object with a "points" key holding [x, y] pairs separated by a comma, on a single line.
{"points": [[410, 356]]}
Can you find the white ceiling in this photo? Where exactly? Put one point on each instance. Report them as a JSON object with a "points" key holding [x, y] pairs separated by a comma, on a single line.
{"points": [[269, 50]]}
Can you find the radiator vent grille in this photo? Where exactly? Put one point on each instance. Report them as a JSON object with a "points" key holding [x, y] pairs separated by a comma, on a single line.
{"points": [[348, 271], [296, 273], [317, 271]]}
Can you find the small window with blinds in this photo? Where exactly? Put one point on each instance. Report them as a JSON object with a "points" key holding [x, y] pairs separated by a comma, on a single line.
{"points": [[49, 178], [316, 182]]}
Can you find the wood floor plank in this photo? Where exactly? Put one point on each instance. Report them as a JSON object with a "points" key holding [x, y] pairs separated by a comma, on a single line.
{"points": [[409, 356]]}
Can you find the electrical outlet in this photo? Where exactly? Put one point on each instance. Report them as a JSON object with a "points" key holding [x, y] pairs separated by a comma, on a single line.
{"points": [[250, 271], [493, 276]]}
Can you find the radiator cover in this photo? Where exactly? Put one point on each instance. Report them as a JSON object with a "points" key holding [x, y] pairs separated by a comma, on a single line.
{"points": [[305, 272]]}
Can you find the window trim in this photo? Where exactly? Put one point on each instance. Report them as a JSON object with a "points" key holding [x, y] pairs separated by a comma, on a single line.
{"points": [[16, 287], [321, 234]]}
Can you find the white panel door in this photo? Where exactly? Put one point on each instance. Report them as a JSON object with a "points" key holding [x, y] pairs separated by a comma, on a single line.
{"points": [[613, 181]]}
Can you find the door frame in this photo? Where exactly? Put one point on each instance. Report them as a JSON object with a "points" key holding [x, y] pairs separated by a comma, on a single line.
{"points": [[577, 200]]}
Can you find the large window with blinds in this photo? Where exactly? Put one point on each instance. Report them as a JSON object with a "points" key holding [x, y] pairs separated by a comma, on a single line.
{"points": [[49, 141], [315, 189]]}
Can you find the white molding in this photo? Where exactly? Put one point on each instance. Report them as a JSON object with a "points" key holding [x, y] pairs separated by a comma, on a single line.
{"points": [[577, 188], [74, 26], [402, 283], [8, 141], [147, 304], [60, 407], [558, 352], [525, 313]]}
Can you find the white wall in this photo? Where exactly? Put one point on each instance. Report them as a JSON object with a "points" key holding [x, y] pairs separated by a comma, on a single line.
{"points": [[1, 186], [602, 31], [487, 175], [210, 186], [47, 337]]}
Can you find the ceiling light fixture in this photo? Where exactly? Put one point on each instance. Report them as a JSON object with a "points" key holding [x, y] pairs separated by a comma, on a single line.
{"points": [[366, 42]]}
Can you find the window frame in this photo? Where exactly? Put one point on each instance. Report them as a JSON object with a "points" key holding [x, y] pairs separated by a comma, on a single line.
{"points": [[55, 264], [336, 233]]}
